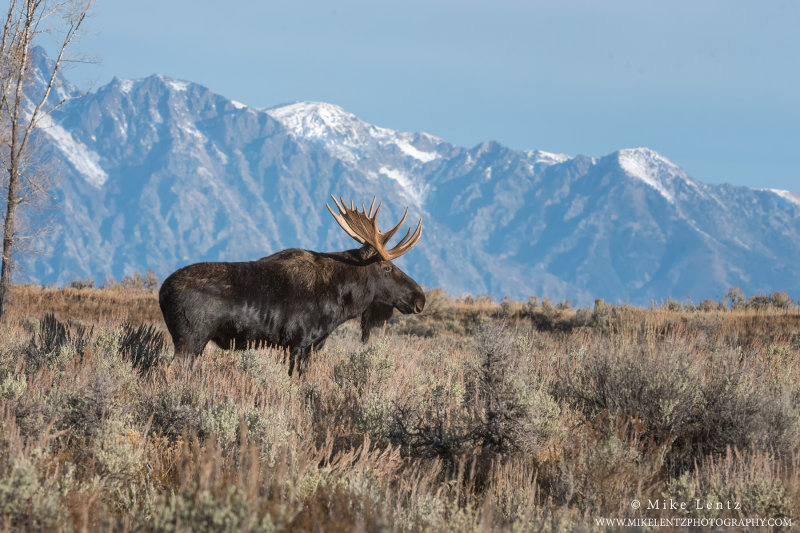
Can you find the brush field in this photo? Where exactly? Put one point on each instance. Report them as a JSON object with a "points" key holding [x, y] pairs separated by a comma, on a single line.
{"points": [[472, 416]]}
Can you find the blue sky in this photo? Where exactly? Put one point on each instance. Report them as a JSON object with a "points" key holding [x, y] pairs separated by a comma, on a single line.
{"points": [[712, 85]]}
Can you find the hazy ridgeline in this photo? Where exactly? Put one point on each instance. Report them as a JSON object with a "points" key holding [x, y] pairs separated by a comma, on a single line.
{"points": [[472, 416]]}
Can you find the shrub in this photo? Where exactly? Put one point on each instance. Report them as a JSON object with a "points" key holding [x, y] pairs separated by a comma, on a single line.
{"points": [[87, 408], [605, 465], [137, 282], [547, 318], [55, 341], [437, 303], [749, 479], [734, 298], [564, 306], [511, 308], [602, 316], [429, 429], [28, 502], [200, 510], [82, 284], [661, 388], [118, 450], [170, 411], [363, 397], [144, 345], [531, 305], [709, 305], [499, 415], [693, 410], [220, 420], [499, 395], [738, 390], [776, 300], [372, 365]]}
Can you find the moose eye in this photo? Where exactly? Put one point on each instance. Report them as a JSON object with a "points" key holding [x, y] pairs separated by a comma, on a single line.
{"points": [[387, 268]]}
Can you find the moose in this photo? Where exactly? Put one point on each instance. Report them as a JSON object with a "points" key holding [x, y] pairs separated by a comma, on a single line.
{"points": [[294, 298]]}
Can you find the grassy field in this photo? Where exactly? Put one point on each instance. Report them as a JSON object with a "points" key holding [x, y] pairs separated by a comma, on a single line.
{"points": [[472, 416]]}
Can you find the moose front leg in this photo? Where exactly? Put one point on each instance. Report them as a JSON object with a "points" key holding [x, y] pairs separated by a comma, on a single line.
{"points": [[298, 356]]}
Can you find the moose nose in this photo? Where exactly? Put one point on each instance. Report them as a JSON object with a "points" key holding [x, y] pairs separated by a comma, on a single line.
{"points": [[419, 304]]}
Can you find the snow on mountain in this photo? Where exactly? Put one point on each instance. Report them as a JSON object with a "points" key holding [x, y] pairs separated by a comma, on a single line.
{"points": [[407, 148], [125, 85], [358, 143], [655, 170], [177, 85], [84, 160], [158, 173], [791, 196], [319, 121], [538, 156]]}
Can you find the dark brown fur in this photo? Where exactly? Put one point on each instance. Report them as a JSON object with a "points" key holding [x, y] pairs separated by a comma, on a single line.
{"points": [[292, 299]]}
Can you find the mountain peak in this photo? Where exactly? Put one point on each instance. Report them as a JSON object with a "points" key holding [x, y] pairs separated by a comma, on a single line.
{"points": [[348, 136], [653, 169], [635, 159], [321, 121], [123, 84], [173, 84], [547, 158], [42, 69]]}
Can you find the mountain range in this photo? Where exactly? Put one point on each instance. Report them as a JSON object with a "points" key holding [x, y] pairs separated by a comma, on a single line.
{"points": [[157, 173]]}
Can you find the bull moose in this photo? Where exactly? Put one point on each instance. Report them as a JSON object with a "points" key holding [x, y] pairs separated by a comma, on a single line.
{"points": [[293, 298]]}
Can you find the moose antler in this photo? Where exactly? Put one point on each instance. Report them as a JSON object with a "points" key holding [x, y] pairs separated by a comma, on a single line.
{"points": [[362, 226]]}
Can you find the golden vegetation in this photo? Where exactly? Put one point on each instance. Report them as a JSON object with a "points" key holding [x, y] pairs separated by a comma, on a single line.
{"points": [[88, 305], [473, 416]]}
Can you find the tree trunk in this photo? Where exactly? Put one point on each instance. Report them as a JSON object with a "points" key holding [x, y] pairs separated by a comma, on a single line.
{"points": [[11, 202], [8, 237]]}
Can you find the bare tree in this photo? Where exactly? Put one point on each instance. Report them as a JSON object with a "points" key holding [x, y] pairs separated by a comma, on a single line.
{"points": [[22, 111]]}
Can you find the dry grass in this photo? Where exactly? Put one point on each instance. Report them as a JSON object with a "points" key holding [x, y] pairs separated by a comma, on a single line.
{"points": [[473, 416], [86, 305]]}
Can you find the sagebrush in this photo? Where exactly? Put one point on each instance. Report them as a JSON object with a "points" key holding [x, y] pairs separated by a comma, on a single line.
{"points": [[472, 416]]}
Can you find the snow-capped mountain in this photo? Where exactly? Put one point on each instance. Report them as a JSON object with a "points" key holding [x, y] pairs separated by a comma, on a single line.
{"points": [[158, 173], [346, 137]]}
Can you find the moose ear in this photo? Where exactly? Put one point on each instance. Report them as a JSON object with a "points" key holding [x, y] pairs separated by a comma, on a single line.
{"points": [[375, 315], [367, 252]]}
